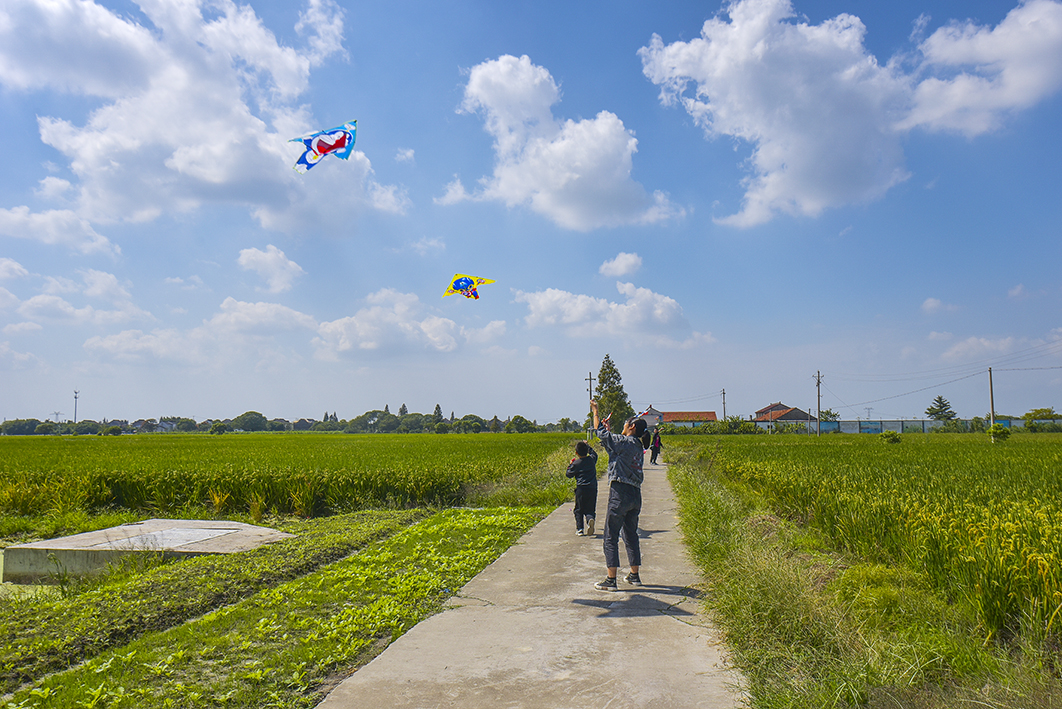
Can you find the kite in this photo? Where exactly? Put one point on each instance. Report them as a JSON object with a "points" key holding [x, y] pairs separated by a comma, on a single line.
{"points": [[338, 141], [465, 285]]}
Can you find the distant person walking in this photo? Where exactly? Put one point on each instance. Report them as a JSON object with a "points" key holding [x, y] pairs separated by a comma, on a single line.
{"points": [[625, 458], [584, 469], [654, 447]]}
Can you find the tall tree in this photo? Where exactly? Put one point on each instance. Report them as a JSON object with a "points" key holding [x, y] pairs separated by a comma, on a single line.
{"points": [[611, 399], [940, 410], [436, 416], [402, 410]]}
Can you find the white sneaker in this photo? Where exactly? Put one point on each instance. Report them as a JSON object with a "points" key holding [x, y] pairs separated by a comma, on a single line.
{"points": [[578, 532], [589, 526]]}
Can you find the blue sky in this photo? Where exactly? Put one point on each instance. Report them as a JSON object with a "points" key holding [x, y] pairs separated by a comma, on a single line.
{"points": [[718, 196]]}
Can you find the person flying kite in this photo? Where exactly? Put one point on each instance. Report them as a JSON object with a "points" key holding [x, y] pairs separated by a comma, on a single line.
{"points": [[338, 141], [465, 285]]}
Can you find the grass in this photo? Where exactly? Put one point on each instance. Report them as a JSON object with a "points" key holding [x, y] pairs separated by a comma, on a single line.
{"points": [[813, 623], [284, 645], [277, 626], [43, 635]]}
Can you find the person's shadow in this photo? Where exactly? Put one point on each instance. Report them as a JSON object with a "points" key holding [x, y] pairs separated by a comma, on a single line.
{"points": [[635, 603]]}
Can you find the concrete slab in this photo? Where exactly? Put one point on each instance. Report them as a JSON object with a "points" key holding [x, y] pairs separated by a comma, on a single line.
{"points": [[92, 551], [531, 630]]}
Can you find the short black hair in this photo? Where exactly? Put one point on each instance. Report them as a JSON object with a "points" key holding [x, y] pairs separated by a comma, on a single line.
{"points": [[639, 427], [581, 449]]}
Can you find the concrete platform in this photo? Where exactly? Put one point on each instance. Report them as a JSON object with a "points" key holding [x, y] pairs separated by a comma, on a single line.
{"points": [[92, 551], [531, 631]]}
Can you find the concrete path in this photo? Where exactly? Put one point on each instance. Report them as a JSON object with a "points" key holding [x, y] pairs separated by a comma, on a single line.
{"points": [[532, 631]]}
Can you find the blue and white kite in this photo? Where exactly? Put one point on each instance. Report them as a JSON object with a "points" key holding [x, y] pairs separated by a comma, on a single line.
{"points": [[338, 141]]}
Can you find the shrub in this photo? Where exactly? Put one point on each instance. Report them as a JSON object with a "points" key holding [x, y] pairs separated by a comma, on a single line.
{"points": [[998, 432], [889, 437]]}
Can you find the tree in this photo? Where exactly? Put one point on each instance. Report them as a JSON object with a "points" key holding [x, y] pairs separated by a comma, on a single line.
{"points": [[1048, 414], [940, 410], [46, 428], [437, 416], [518, 424], [495, 425], [829, 415], [611, 399], [402, 410], [250, 421]]}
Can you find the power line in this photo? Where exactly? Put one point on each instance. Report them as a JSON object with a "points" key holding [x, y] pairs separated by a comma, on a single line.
{"points": [[1035, 352], [686, 401], [896, 396]]}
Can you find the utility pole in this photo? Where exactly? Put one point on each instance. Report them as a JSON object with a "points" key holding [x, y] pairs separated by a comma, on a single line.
{"points": [[991, 400], [818, 404], [724, 404], [76, 392], [590, 388]]}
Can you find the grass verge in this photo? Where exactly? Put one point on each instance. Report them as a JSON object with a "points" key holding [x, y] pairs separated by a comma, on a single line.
{"points": [[811, 627], [281, 646]]}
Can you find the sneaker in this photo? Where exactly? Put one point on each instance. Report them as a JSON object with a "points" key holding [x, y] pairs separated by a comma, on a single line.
{"points": [[578, 532], [609, 584], [589, 526], [633, 579]]}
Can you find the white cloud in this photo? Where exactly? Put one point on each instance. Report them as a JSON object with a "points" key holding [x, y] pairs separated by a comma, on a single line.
{"points": [[272, 265], [939, 336], [1017, 291], [160, 344], [56, 226], [424, 246], [575, 173], [490, 332], [55, 309], [52, 187], [99, 284], [455, 192], [257, 318], [191, 283], [974, 347], [989, 72], [198, 108], [645, 317], [240, 331], [392, 322], [825, 121], [10, 268], [622, 265], [7, 298], [404, 155], [18, 359], [16, 328], [935, 305]]}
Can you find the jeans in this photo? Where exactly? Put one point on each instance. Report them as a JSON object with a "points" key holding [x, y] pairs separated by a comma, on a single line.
{"points": [[624, 506]]}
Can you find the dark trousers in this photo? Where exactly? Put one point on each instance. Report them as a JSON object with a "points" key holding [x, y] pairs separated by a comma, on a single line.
{"points": [[655, 453], [585, 503], [624, 506]]}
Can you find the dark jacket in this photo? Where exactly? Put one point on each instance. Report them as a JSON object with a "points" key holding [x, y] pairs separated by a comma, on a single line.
{"points": [[584, 470], [625, 456]]}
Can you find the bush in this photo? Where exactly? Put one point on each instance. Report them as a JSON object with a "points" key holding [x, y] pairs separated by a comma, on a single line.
{"points": [[889, 437], [998, 432]]}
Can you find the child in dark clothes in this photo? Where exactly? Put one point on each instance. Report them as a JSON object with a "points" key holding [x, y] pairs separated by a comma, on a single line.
{"points": [[584, 469]]}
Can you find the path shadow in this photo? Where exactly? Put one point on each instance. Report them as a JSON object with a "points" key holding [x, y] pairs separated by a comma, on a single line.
{"points": [[632, 605]]}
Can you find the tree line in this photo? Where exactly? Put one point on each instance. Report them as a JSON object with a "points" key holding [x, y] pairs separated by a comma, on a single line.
{"points": [[375, 421]]}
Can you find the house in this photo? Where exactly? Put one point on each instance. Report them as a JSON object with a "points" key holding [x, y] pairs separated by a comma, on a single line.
{"points": [[780, 412], [688, 419]]}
